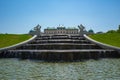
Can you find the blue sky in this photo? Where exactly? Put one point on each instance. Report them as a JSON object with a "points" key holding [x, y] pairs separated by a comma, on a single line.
{"points": [[20, 16]]}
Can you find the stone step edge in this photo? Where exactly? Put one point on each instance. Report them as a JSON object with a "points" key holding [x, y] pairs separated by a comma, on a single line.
{"points": [[60, 44], [83, 50]]}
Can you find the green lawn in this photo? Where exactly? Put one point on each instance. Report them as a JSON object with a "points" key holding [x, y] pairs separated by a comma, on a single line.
{"points": [[108, 38], [10, 39]]}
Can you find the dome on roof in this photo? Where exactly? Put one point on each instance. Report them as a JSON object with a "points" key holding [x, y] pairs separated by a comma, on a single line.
{"points": [[91, 31]]}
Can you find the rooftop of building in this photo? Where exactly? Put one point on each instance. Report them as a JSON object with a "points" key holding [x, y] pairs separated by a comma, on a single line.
{"points": [[60, 27]]}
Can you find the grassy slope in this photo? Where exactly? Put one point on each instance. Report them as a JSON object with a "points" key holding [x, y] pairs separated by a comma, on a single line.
{"points": [[10, 39], [108, 38]]}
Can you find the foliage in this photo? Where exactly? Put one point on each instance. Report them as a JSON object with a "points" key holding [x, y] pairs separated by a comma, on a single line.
{"points": [[108, 38], [11, 39], [90, 31], [100, 32], [111, 31], [118, 29], [114, 31]]}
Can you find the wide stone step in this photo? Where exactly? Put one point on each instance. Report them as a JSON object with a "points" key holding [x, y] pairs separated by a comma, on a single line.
{"points": [[60, 55], [60, 44], [62, 51], [60, 41], [60, 37], [78, 38], [63, 46]]}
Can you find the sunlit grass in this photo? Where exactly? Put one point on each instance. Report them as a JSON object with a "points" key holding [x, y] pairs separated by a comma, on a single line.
{"points": [[11, 39], [108, 38]]}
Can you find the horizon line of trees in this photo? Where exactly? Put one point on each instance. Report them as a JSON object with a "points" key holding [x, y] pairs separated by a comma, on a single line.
{"points": [[114, 31], [110, 31]]}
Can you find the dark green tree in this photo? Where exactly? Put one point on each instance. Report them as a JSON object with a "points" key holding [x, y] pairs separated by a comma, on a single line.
{"points": [[90, 31], [100, 32], [118, 29], [111, 31]]}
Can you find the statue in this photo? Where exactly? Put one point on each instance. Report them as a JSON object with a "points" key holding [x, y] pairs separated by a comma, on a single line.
{"points": [[36, 30], [82, 29]]}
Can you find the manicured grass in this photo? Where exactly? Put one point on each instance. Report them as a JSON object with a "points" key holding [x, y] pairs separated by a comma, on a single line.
{"points": [[108, 38], [11, 39]]}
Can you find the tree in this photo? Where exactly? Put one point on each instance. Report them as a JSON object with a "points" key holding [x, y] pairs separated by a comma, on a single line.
{"points": [[118, 29], [111, 31], [90, 31], [100, 32]]}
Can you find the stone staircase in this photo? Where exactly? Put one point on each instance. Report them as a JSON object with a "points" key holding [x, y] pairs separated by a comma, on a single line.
{"points": [[59, 48]]}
